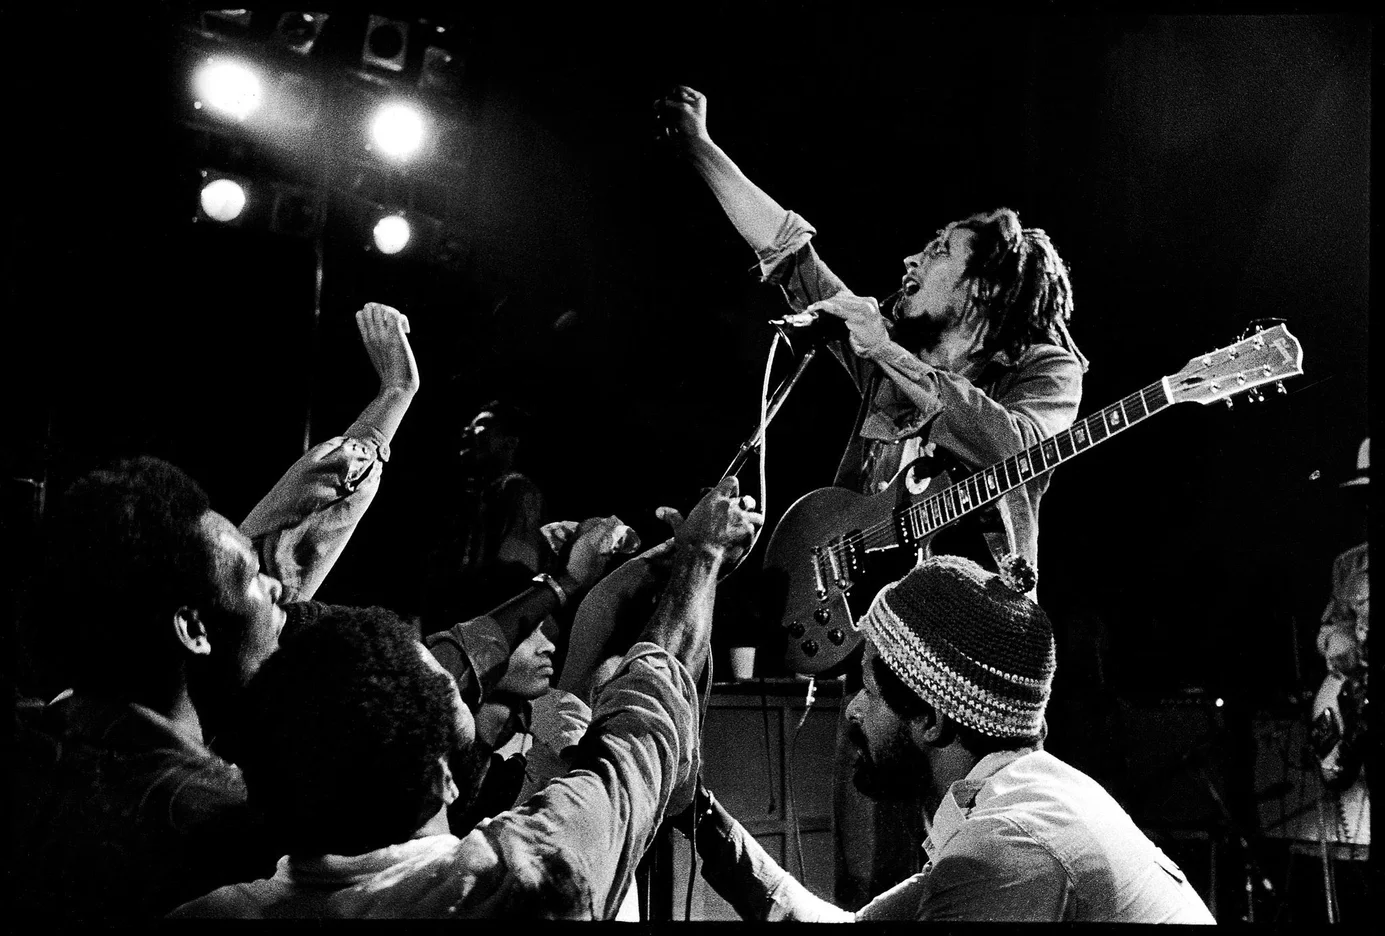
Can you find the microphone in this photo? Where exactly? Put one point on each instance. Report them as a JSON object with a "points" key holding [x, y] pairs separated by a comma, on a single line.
{"points": [[830, 325]]}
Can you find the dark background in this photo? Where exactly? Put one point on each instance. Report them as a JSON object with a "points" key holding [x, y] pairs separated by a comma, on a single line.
{"points": [[1195, 173]]}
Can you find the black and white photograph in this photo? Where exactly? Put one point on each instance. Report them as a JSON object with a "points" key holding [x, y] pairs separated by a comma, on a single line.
{"points": [[524, 462]]}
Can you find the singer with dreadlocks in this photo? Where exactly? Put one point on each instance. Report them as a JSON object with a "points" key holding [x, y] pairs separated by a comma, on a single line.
{"points": [[974, 358]]}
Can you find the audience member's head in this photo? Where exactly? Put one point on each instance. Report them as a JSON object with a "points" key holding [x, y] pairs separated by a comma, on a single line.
{"points": [[152, 588], [955, 658], [349, 728], [530, 670], [491, 440]]}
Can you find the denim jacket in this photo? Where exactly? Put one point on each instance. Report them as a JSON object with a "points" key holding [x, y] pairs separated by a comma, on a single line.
{"points": [[1014, 403]]}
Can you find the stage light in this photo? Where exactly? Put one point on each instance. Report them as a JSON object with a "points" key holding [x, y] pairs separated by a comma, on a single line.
{"points": [[391, 234], [442, 71], [228, 87], [222, 199], [397, 130], [298, 31], [386, 43]]}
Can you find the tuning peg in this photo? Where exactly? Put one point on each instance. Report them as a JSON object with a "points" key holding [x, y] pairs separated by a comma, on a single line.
{"points": [[1230, 403], [1279, 385], [1257, 395]]}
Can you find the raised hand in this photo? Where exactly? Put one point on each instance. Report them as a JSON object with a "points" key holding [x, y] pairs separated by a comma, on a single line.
{"points": [[383, 331], [595, 541], [722, 524], [682, 115]]}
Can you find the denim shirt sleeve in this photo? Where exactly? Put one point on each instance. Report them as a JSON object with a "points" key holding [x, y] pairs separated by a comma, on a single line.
{"points": [[304, 522], [794, 266]]}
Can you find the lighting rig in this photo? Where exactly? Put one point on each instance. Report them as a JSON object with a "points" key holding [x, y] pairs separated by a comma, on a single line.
{"points": [[298, 119]]}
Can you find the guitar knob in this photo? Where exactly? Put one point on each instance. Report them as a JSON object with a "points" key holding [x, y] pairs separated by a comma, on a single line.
{"points": [[836, 636], [810, 647], [822, 615], [797, 630]]}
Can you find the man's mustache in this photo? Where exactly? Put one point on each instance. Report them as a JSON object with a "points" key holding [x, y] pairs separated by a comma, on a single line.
{"points": [[857, 737]]}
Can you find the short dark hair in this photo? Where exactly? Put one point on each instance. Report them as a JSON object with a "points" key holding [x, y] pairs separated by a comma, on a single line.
{"points": [[125, 550], [345, 726], [1028, 293], [909, 705], [507, 418]]}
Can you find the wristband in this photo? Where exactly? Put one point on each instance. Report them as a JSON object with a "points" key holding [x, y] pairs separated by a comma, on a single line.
{"points": [[543, 578]]}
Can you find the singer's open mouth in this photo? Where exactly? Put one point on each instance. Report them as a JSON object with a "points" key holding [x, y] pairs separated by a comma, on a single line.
{"points": [[910, 287]]}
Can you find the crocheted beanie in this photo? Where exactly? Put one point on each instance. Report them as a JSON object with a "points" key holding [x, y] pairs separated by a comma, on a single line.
{"points": [[969, 644]]}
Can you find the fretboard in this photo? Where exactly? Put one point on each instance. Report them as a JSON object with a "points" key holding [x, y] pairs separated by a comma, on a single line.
{"points": [[989, 484]]}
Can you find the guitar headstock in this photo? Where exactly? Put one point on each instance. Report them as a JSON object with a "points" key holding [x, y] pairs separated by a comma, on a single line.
{"points": [[1264, 357]]}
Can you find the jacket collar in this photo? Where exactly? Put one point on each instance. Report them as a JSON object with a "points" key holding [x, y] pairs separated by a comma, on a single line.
{"points": [[961, 798]]}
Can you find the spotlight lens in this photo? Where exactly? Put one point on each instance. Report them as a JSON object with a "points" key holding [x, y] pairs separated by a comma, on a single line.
{"points": [[397, 130], [223, 199], [391, 234], [230, 88]]}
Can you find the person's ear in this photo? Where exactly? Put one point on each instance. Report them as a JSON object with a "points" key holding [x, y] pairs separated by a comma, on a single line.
{"points": [[445, 786], [191, 631], [931, 729]]}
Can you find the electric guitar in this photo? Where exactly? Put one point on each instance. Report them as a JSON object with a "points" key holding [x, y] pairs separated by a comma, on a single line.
{"points": [[834, 544]]}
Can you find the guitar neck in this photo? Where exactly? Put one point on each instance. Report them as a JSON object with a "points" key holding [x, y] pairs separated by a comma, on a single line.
{"points": [[990, 484]]}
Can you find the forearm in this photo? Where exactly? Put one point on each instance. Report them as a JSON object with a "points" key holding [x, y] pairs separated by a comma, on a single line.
{"points": [[682, 621], [746, 877], [384, 413], [756, 215]]}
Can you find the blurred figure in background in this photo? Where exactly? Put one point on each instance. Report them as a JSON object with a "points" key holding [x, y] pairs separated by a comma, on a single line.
{"points": [[1340, 720], [492, 542]]}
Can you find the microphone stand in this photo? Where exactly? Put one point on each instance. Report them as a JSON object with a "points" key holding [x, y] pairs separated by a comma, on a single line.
{"points": [[825, 328], [781, 394]]}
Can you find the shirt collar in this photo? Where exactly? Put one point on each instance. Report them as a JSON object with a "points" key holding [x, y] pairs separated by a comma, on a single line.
{"points": [[961, 797]]}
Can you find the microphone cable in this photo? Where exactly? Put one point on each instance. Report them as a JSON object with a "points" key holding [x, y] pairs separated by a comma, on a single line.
{"points": [[789, 777], [762, 436]]}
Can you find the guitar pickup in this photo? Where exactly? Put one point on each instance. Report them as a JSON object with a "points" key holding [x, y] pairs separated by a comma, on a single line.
{"points": [[818, 581], [840, 562]]}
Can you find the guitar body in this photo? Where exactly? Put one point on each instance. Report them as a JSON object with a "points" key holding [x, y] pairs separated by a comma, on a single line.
{"points": [[816, 600]]}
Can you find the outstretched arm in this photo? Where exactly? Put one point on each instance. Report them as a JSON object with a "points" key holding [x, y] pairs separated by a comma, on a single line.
{"points": [[716, 532], [744, 874], [780, 238], [301, 526], [477, 652], [683, 121]]}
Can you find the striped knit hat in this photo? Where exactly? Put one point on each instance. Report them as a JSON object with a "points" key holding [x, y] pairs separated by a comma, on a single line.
{"points": [[968, 644]]}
